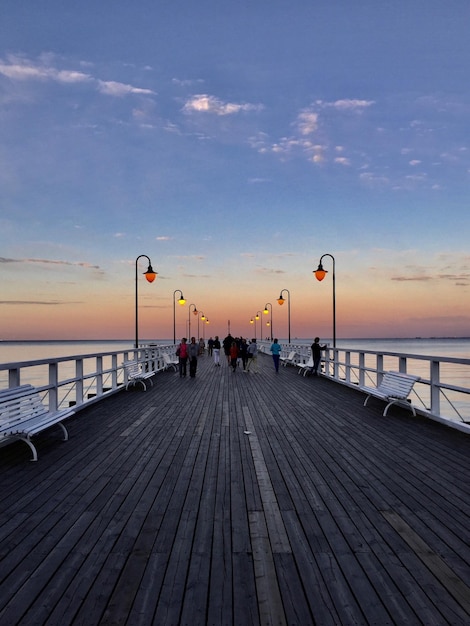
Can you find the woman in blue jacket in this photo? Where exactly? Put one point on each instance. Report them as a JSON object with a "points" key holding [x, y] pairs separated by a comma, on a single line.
{"points": [[276, 349]]}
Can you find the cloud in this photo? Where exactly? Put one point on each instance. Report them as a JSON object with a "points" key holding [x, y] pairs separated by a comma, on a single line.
{"points": [[307, 122], [347, 104], [113, 88], [203, 103], [52, 262], [22, 69], [37, 302]]}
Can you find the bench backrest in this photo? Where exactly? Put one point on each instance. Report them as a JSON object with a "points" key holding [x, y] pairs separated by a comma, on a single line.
{"points": [[132, 368], [17, 404], [396, 384]]}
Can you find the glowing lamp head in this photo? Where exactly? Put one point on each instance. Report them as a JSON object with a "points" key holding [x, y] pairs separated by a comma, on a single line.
{"points": [[320, 273], [181, 301], [265, 311], [281, 300], [150, 275]]}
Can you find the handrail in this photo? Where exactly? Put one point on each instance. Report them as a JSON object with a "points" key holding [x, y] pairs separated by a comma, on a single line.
{"points": [[442, 390], [80, 379]]}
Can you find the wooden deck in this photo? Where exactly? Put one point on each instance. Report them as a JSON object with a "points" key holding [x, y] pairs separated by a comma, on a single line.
{"points": [[237, 499]]}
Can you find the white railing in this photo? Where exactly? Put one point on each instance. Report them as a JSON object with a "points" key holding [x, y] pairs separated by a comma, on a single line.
{"points": [[443, 392], [82, 379]]}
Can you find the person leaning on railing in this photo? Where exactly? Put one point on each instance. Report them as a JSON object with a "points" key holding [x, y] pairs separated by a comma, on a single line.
{"points": [[316, 354]]}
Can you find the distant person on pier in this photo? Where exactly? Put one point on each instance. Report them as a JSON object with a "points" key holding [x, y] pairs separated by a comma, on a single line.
{"points": [[243, 352], [182, 354], [234, 356], [316, 354], [216, 351], [227, 344], [276, 349], [210, 346], [202, 346], [193, 351], [252, 357]]}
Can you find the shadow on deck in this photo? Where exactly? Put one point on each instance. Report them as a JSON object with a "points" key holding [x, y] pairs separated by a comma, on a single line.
{"points": [[237, 499]]}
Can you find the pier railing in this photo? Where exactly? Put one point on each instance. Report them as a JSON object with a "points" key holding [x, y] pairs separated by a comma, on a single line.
{"points": [[442, 393], [79, 380]]}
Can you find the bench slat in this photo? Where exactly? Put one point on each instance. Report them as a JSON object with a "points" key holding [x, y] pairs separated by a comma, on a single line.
{"points": [[23, 414]]}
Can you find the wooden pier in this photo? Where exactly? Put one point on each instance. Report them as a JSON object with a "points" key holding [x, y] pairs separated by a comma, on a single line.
{"points": [[237, 499]]}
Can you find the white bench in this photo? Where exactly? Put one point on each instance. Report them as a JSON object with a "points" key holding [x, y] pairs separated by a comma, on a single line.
{"points": [[288, 360], [305, 368], [134, 374], [23, 414], [169, 362], [394, 388]]}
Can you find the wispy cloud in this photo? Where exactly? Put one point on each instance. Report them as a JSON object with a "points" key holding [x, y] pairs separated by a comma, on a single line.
{"points": [[52, 262], [22, 69], [203, 103]]}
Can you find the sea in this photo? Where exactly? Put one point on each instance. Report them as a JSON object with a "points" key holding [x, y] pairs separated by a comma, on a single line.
{"points": [[15, 351]]}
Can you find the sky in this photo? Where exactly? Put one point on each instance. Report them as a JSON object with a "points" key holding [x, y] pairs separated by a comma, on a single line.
{"points": [[234, 144]]}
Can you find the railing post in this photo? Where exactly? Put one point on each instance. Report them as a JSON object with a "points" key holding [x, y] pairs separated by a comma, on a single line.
{"points": [[347, 366], [79, 383], [361, 369], [435, 393], [53, 387], [14, 378]]}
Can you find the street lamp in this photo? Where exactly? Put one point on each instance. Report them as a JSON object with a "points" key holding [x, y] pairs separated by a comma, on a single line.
{"points": [[150, 275], [203, 319], [320, 274], [266, 312], [281, 301], [252, 321], [181, 301], [195, 312], [258, 317]]}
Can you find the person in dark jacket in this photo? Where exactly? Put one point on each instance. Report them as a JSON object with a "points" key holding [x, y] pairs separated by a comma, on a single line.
{"points": [[316, 354], [193, 351]]}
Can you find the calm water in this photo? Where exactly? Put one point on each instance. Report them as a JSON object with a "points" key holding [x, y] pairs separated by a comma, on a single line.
{"points": [[13, 351]]}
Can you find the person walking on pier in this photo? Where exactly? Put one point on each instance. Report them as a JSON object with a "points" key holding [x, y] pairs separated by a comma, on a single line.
{"points": [[234, 356], [216, 351], [252, 357], [243, 353], [227, 343], [182, 354], [316, 354], [276, 349], [193, 351]]}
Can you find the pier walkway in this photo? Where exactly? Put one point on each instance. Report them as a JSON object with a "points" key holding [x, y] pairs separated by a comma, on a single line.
{"points": [[237, 499]]}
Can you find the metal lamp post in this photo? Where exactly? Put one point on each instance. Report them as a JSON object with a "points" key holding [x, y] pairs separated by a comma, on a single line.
{"points": [[150, 275], [266, 312], [281, 301], [258, 317], [195, 312], [181, 301], [320, 274]]}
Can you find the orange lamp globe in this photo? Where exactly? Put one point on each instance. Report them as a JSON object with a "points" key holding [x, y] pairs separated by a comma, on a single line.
{"points": [[320, 273], [150, 275], [281, 300]]}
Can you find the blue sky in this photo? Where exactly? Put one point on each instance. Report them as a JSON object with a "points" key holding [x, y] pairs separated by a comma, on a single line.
{"points": [[234, 143]]}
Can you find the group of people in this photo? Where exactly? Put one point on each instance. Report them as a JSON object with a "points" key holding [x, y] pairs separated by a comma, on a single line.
{"points": [[235, 349]]}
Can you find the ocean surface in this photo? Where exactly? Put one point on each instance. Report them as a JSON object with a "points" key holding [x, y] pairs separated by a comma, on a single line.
{"points": [[14, 351]]}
